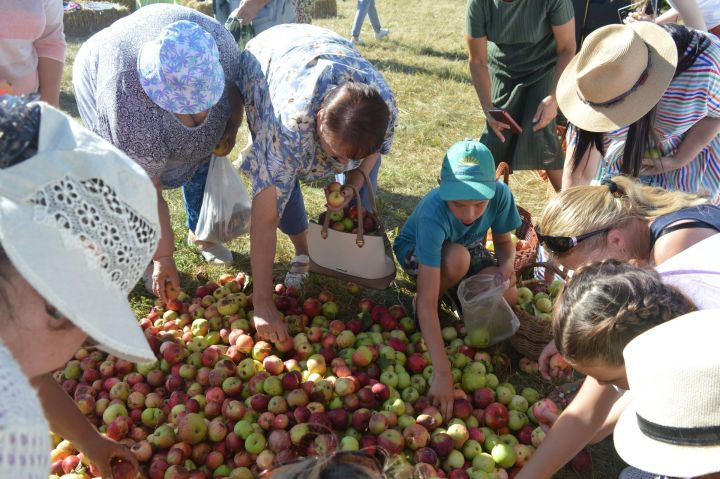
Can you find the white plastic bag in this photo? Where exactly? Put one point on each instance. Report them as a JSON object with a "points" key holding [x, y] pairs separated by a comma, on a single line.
{"points": [[225, 211], [483, 305]]}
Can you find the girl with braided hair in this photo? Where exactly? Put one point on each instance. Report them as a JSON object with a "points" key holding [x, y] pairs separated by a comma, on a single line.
{"points": [[603, 307]]}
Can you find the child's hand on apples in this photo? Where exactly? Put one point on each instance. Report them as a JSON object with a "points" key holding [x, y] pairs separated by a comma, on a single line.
{"points": [[442, 394]]}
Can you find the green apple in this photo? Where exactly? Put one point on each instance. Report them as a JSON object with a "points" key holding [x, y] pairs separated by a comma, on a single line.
{"points": [[243, 429], [504, 455], [449, 333], [476, 473], [517, 420], [472, 381], [518, 403], [389, 378], [349, 443], [471, 449], [255, 443], [509, 439], [530, 395], [476, 367], [479, 337], [403, 378], [503, 394], [525, 295], [455, 459], [491, 440], [544, 305], [410, 394], [484, 462]]}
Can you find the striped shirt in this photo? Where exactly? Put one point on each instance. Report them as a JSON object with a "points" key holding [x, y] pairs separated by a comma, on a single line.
{"points": [[691, 96], [28, 31]]}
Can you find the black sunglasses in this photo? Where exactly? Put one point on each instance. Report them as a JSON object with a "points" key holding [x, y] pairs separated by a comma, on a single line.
{"points": [[563, 244]]}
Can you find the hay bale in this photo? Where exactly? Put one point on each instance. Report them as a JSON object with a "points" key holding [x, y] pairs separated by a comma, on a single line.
{"points": [[130, 4], [324, 9], [200, 5], [85, 22]]}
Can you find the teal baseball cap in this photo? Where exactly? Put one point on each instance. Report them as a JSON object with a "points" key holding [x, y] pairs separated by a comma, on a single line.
{"points": [[468, 172]]}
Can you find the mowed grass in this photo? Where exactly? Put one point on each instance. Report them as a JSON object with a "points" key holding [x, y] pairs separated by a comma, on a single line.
{"points": [[424, 61]]}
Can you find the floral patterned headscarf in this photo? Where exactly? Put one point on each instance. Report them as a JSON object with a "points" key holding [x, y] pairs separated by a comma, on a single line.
{"points": [[180, 70]]}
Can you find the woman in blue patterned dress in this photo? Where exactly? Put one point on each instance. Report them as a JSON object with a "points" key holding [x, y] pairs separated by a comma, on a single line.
{"points": [[315, 107]]}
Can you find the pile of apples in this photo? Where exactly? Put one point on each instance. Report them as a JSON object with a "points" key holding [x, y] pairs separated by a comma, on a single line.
{"points": [[220, 403], [539, 303], [520, 244], [346, 219]]}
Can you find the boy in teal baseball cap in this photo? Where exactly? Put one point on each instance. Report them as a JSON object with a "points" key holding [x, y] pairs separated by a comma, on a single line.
{"points": [[441, 243]]}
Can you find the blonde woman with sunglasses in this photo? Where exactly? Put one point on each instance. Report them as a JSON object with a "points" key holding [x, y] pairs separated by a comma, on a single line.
{"points": [[625, 220]]}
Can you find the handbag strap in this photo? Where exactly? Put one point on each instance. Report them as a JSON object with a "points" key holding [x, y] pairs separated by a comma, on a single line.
{"points": [[359, 240], [503, 169], [371, 192]]}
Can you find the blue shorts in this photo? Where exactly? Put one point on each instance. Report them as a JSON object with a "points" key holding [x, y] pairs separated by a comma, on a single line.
{"points": [[480, 258]]}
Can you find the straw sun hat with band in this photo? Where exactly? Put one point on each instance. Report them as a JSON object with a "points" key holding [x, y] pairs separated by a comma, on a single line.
{"points": [[672, 425], [620, 74], [78, 221]]}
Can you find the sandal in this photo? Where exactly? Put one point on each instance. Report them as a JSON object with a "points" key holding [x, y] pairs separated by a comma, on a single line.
{"points": [[299, 271], [216, 253]]}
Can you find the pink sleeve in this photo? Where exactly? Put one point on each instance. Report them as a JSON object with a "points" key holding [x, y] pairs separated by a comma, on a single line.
{"points": [[52, 42]]}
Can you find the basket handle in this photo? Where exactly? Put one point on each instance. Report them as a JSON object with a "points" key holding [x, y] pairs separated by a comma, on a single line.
{"points": [[544, 264], [359, 240], [503, 169]]}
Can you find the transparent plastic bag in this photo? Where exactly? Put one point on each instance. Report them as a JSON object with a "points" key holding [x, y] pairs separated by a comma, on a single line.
{"points": [[225, 211], [483, 305]]}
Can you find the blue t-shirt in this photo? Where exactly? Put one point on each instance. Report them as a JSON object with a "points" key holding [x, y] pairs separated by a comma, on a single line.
{"points": [[432, 224]]}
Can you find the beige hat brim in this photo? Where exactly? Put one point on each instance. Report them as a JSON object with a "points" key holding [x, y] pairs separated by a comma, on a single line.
{"points": [[663, 61], [660, 458]]}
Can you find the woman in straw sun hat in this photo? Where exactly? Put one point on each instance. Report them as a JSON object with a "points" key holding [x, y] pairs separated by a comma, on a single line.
{"points": [[78, 225], [602, 308], [672, 425], [645, 100]]}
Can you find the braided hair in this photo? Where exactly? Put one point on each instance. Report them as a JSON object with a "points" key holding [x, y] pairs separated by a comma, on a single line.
{"points": [[607, 304]]}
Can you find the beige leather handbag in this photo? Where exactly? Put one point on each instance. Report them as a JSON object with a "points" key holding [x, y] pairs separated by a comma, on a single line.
{"points": [[363, 259]]}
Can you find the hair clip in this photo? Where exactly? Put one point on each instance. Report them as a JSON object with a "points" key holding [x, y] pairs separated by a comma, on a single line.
{"points": [[613, 187]]}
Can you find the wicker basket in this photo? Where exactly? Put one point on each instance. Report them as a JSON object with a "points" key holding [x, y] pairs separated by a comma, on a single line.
{"points": [[323, 9], [533, 334], [202, 6], [526, 231]]}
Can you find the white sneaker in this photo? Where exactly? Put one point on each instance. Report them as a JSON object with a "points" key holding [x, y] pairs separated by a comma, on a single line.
{"points": [[214, 254], [356, 41], [299, 271], [382, 33]]}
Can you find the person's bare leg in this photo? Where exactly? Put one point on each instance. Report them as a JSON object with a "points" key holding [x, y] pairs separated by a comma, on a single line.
{"points": [[300, 243], [555, 177], [455, 265]]}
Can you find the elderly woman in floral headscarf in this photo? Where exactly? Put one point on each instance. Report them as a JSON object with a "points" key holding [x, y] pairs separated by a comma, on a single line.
{"points": [[160, 85]]}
